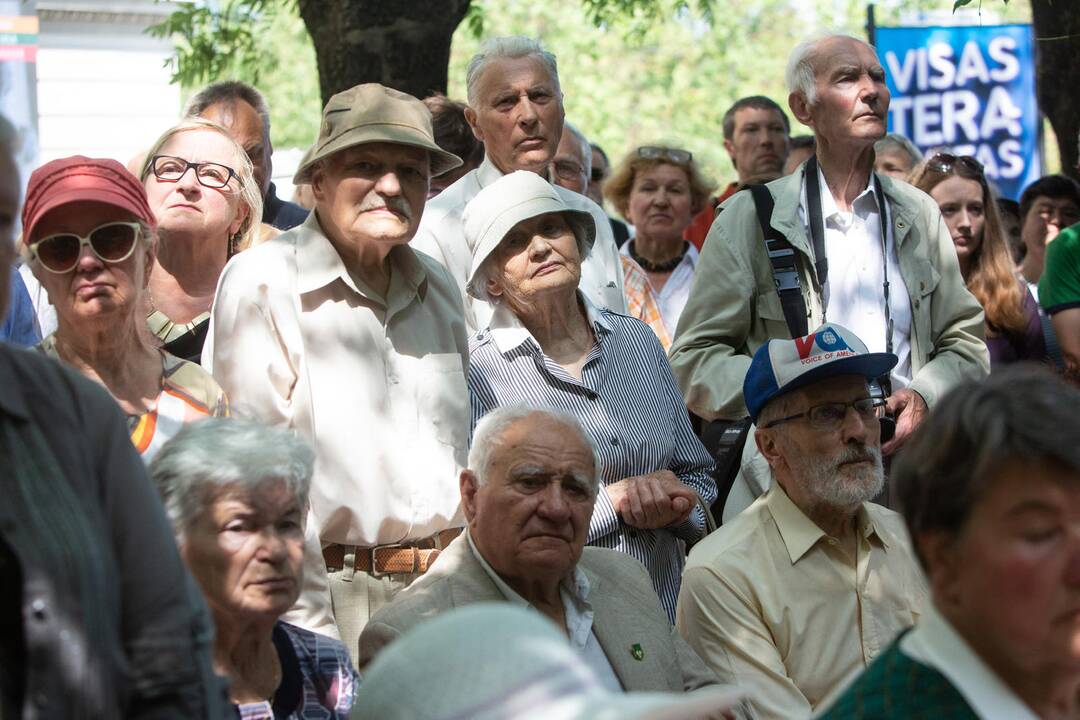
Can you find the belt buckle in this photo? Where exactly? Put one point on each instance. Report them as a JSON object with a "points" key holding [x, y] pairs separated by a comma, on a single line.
{"points": [[375, 572]]}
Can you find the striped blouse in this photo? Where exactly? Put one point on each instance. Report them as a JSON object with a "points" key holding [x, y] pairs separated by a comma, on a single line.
{"points": [[632, 410]]}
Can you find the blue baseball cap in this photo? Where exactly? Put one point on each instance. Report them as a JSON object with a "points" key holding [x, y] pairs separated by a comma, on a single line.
{"points": [[780, 366]]}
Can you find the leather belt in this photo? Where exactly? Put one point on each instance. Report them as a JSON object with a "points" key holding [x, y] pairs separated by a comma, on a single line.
{"points": [[411, 556]]}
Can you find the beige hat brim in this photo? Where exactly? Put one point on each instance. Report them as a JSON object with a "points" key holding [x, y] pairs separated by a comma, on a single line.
{"points": [[400, 134], [581, 222]]}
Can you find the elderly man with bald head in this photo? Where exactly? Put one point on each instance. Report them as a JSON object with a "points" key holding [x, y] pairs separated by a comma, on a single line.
{"points": [[516, 110], [864, 250]]}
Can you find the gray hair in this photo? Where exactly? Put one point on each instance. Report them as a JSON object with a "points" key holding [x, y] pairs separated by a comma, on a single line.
{"points": [[500, 48], [250, 192], [799, 74], [229, 91], [583, 142], [896, 141], [488, 435], [212, 456]]}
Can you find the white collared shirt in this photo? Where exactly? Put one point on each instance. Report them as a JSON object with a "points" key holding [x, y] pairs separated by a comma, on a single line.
{"points": [[579, 617], [853, 295], [934, 642], [442, 236], [673, 296]]}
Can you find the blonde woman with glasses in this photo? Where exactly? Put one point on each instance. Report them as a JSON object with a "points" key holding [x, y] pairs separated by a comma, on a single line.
{"points": [[200, 186]]}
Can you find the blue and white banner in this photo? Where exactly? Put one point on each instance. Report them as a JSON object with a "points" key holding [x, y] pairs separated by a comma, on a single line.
{"points": [[968, 91]]}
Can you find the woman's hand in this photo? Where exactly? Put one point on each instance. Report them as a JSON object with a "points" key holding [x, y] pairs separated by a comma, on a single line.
{"points": [[652, 501]]}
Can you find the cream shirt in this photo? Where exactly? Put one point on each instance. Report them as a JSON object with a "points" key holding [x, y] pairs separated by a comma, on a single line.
{"points": [[936, 643], [377, 386], [442, 236], [770, 599]]}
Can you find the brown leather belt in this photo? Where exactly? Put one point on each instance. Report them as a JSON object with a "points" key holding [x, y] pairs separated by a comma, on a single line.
{"points": [[411, 556]]}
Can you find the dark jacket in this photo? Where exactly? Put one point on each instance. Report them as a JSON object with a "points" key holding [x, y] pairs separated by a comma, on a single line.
{"points": [[109, 623]]}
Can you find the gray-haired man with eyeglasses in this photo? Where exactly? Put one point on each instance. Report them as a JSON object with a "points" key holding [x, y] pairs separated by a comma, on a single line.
{"points": [[811, 582]]}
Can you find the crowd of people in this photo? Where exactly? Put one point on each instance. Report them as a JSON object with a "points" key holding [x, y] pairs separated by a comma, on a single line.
{"points": [[450, 441]]}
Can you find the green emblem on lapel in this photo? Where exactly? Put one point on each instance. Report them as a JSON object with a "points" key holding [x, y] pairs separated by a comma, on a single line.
{"points": [[637, 652]]}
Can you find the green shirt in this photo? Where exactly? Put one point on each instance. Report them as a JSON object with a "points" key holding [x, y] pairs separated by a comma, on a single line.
{"points": [[895, 687], [1059, 287]]}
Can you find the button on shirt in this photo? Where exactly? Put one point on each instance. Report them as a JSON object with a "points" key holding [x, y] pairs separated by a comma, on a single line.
{"points": [[631, 409], [854, 295], [774, 601], [442, 236], [377, 385], [579, 617], [672, 297]]}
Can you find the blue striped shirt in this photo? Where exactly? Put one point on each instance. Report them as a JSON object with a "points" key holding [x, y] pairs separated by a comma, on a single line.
{"points": [[632, 410]]}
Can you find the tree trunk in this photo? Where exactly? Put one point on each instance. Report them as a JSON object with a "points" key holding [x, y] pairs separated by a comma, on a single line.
{"points": [[1057, 65], [403, 44]]}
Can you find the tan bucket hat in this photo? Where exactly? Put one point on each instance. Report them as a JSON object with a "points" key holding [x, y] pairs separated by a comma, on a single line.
{"points": [[371, 113], [503, 204]]}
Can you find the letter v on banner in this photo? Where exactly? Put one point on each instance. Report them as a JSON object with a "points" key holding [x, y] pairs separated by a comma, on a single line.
{"points": [[805, 345]]}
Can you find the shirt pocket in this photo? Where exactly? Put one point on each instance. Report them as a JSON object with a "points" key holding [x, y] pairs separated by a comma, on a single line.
{"points": [[442, 399], [770, 318], [921, 286]]}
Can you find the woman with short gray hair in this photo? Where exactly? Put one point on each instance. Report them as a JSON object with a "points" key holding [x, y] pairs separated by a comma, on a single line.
{"points": [[236, 494]]}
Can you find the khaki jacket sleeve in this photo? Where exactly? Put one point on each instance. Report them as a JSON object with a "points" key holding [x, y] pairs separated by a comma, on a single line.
{"points": [[958, 351], [727, 632], [375, 636], [708, 355]]}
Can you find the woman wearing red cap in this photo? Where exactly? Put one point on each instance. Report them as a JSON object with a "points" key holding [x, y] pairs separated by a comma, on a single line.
{"points": [[88, 235], [200, 187]]}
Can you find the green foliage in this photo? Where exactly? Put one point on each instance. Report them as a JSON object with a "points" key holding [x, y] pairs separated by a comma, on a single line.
{"points": [[253, 41], [961, 3]]}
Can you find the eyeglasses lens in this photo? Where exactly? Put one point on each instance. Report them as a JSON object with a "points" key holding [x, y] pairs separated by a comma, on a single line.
{"points": [[112, 242], [59, 252]]}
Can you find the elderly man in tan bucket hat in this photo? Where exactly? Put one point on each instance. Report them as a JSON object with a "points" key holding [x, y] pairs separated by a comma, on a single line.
{"points": [[340, 330]]}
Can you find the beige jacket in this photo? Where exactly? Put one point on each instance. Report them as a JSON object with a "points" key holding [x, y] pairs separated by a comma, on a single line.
{"points": [[626, 613], [734, 308]]}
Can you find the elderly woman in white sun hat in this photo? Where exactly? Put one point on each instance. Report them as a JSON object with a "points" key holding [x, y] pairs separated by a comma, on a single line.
{"points": [[548, 345]]}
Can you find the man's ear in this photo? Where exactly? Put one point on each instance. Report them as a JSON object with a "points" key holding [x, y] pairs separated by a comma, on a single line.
{"points": [[730, 147], [468, 485], [800, 108], [767, 446], [470, 117]]}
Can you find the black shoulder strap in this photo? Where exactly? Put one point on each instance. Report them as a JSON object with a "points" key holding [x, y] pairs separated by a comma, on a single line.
{"points": [[784, 266], [817, 224]]}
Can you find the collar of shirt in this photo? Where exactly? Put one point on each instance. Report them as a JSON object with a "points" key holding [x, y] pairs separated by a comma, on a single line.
{"points": [[689, 258], [574, 592], [799, 532], [487, 173], [864, 205], [318, 264], [935, 642], [508, 332]]}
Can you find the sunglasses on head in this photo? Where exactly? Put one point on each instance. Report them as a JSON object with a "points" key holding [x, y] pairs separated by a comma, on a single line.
{"points": [[653, 152], [944, 163], [112, 243]]}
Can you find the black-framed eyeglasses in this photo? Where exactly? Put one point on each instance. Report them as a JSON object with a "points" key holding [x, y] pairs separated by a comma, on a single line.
{"points": [[112, 242], [656, 152], [945, 162], [209, 174], [830, 416]]}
